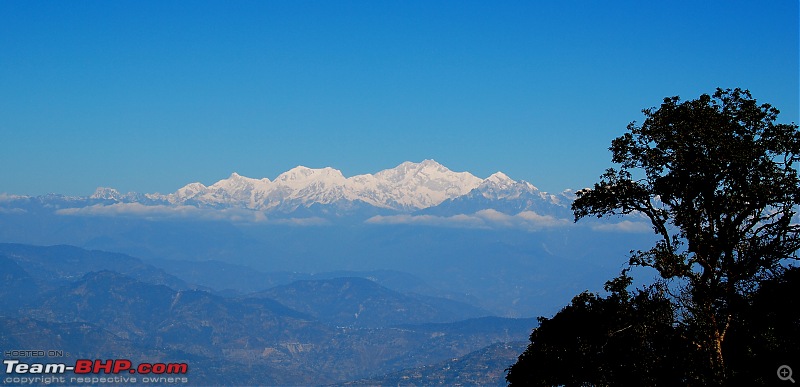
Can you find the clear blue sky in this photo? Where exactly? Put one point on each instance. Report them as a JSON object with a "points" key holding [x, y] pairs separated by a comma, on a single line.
{"points": [[147, 96]]}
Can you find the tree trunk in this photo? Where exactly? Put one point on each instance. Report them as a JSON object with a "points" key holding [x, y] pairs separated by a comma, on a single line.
{"points": [[717, 361], [714, 336]]}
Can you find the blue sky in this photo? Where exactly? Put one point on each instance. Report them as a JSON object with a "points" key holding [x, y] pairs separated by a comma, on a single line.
{"points": [[148, 96]]}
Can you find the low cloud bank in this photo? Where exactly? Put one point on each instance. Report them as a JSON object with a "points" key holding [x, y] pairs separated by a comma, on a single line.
{"points": [[624, 226], [488, 219], [162, 212], [483, 219], [525, 220]]}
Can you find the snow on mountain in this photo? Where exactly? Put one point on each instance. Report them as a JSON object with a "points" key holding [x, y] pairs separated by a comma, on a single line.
{"points": [[111, 194], [426, 187], [407, 187], [105, 193], [411, 186], [237, 190], [189, 191], [302, 186], [500, 186], [501, 193]]}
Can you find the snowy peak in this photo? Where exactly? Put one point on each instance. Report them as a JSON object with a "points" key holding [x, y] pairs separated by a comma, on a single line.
{"points": [[498, 177], [503, 194], [412, 186], [188, 191], [303, 174], [236, 180], [106, 193], [236, 190], [500, 186], [406, 188], [408, 170], [499, 180], [432, 175]]}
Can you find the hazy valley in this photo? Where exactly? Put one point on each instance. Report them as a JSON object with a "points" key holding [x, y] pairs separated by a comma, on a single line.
{"points": [[311, 278]]}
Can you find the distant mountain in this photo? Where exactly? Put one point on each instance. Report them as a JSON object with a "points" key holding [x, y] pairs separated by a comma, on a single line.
{"points": [[498, 243], [18, 287], [54, 265], [106, 315], [499, 192], [235, 279], [85, 340], [184, 320], [409, 186], [484, 367], [239, 341], [359, 302], [324, 192]]}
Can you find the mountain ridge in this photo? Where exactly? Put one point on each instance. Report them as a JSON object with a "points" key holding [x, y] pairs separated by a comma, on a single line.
{"points": [[408, 186], [238, 340], [325, 192]]}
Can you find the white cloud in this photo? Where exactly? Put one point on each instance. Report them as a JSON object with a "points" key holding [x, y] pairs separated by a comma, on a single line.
{"points": [[624, 226], [158, 212], [313, 221], [12, 210], [5, 197], [527, 220], [483, 219], [493, 219], [133, 209], [461, 221]]}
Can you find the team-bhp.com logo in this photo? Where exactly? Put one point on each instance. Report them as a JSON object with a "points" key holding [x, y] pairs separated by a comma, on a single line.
{"points": [[120, 369]]}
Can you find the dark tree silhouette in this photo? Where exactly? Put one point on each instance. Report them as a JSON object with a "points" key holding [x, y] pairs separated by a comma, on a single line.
{"points": [[635, 339], [717, 180], [766, 332], [625, 339]]}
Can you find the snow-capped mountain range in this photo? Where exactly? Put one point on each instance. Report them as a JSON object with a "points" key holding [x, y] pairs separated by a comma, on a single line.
{"points": [[411, 193], [407, 188]]}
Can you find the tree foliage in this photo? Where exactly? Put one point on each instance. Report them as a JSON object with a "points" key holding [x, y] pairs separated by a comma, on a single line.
{"points": [[635, 339], [624, 339], [766, 331], [716, 177], [719, 185]]}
